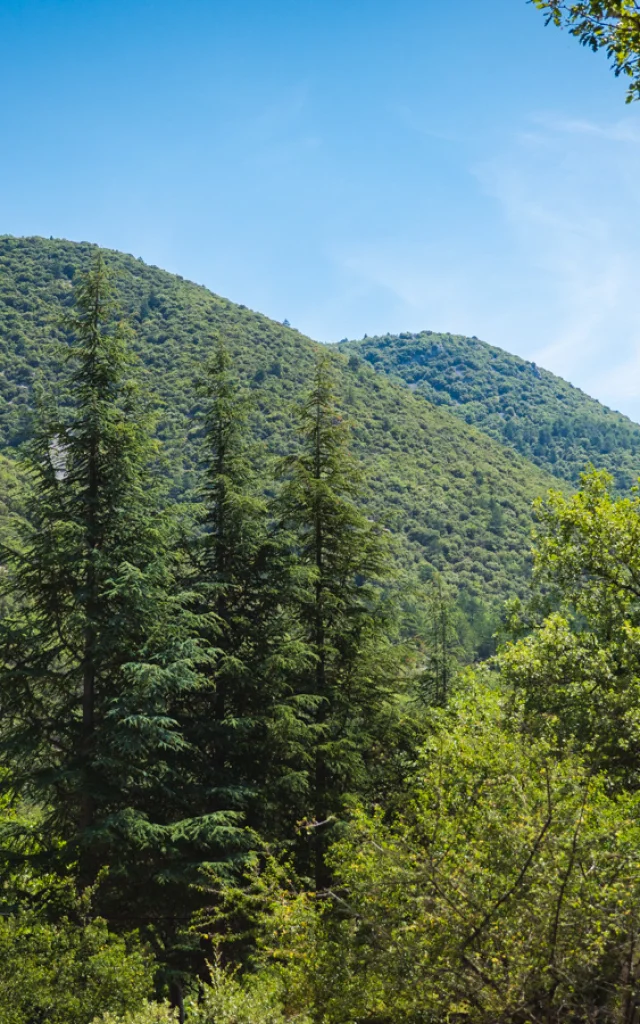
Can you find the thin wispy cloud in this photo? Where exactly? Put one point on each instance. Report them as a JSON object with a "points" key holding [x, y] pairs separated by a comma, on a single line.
{"points": [[568, 194], [621, 131], [547, 267], [554, 274], [420, 124]]}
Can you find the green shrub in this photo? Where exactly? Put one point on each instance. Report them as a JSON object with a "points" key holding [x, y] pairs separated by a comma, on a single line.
{"points": [[225, 1000], [148, 1013], [68, 973]]}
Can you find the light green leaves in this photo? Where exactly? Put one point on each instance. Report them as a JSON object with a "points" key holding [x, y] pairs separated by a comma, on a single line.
{"points": [[609, 25]]}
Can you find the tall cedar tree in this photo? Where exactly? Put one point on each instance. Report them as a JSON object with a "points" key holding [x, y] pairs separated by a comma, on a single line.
{"points": [[97, 653], [341, 610], [442, 647], [244, 720]]}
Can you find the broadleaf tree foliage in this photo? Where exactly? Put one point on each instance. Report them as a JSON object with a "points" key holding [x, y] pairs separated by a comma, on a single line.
{"points": [[578, 670], [609, 25], [505, 890]]}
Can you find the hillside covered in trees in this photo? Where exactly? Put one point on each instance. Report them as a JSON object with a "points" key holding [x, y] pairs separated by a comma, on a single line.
{"points": [[454, 500], [522, 405], [251, 768], [244, 777], [319, 665]]}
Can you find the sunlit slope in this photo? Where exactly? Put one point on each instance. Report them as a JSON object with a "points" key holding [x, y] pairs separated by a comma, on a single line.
{"points": [[557, 426], [454, 498]]}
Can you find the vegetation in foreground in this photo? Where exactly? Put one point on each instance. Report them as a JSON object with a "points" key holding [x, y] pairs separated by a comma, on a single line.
{"points": [[245, 780]]}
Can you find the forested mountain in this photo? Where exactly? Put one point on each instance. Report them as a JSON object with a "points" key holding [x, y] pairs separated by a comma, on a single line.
{"points": [[538, 414], [240, 768], [454, 499]]}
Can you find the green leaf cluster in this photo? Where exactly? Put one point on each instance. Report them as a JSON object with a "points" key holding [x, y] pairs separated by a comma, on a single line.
{"points": [[506, 890], [609, 25], [68, 973], [578, 669]]}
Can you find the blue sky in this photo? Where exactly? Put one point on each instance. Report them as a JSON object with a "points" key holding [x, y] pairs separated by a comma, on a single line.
{"points": [[355, 166]]}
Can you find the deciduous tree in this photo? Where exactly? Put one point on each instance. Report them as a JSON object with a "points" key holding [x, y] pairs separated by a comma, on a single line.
{"points": [[609, 25]]}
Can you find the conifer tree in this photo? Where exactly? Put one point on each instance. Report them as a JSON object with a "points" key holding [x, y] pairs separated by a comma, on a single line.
{"points": [[442, 645], [244, 721], [340, 609], [96, 653]]}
